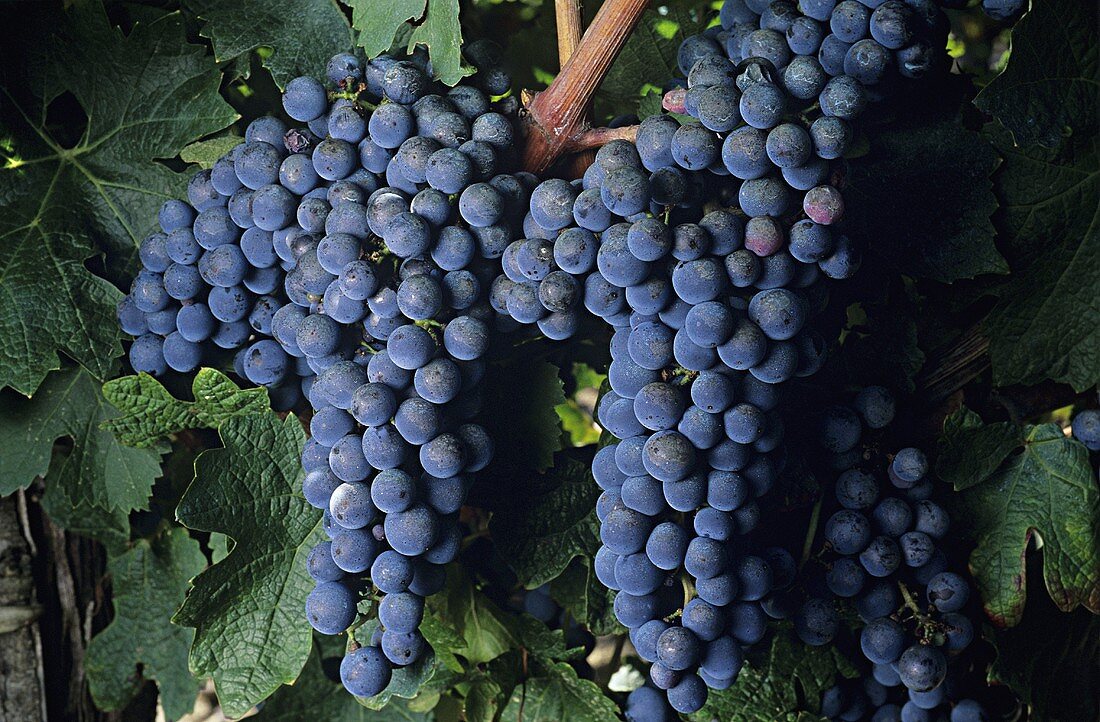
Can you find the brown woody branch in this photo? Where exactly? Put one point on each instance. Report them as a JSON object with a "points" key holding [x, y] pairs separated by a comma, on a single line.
{"points": [[557, 117]]}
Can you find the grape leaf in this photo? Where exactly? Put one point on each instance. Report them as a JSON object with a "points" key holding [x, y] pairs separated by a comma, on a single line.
{"points": [[148, 582], [149, 412], [1050, 657], [1047, 322], [543, 528], [580, 592], [442, 35], [1048, 490], [970, 451], [784, 684], [648, 59], [70, 404], [556, 695], [315, 696], [66, 508], [145, 96], [250, 632], [485, 630], [1049, 84], [205, 153], [483, 701], [444, 639], [920, 200], [303, 34], [377, 23]]}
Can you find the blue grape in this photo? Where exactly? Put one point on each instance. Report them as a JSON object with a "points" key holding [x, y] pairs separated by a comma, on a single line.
{"points": [[330, 608], [365, 672]]}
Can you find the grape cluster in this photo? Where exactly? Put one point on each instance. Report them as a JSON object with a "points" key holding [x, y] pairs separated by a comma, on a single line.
{"points": [[387, 290], [698, 354], [881, 557], [213, 278]]}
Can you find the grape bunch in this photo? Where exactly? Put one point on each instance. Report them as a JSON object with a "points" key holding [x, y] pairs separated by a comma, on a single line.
{"points": [[213, 278], [387, 302], [881, 558]]}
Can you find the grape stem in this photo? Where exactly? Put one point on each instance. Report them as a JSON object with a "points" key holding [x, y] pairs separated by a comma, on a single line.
{"points": [[557, 117], [911, 602], [811, 532], [596, 137]]}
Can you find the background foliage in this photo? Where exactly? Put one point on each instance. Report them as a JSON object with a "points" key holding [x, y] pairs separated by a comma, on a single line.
{"points": [[977, 202]]}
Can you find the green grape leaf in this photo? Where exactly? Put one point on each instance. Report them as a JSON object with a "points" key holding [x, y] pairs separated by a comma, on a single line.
{"points": [[442, 35], [648, 58], [377, 23], [484, 700], [544, 528], [250, 632], [150, 412], [583, 595], [315, 696], [63, 197], [970, 451], [486, 631], [1050, 657], [556, 695], [70, 404], [1049, 84], [148, 582], [205, 153], [942, 231], [1047, 323], [784, 684], [302, 34], [444, 639], [1048, 490]]}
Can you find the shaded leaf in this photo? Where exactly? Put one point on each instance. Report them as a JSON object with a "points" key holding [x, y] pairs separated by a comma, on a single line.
{"points": [[146, 96], [485, 630], [103, 472], [543, 529], [1048, 490], [525, 427], [970, 451], [302, 34], [1049, 84], [1047, 323], [942, 228], [582, 594], [65, 507], [1050, 657], [883, 347], [785, 684], [150, 412], [148, 582], [484, 700], [558, 695], [250, 632]]}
